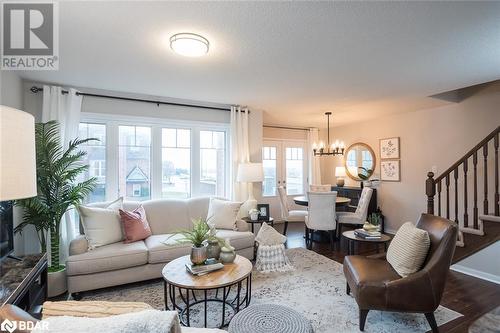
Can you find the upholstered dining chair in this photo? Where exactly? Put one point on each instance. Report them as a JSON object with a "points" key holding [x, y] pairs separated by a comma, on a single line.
{"points": [[359, 216], [287, 214], [376, 285], [320, 188], [321, 215]]}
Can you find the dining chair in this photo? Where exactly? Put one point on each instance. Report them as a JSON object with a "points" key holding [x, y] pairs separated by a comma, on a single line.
{"points": [[359, 216], [320, 188], [287, 214], [321, 215]]}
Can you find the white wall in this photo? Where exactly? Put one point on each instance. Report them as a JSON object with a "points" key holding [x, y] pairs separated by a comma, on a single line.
{"points": [[434, 137], [483, 264]]}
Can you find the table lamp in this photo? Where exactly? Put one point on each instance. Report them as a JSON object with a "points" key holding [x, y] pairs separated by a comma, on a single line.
{"points": [[17, 154], [340, 174], [250, 173]]}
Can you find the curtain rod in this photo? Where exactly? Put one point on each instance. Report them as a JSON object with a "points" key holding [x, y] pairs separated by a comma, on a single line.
{"points": [[38, 89], [288, 128]]}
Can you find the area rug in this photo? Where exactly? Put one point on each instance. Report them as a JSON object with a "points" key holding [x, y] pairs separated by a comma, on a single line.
{"points": [[316, 289]]}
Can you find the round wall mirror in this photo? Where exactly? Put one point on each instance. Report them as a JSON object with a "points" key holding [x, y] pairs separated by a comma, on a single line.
{"points": [[359, 161]]}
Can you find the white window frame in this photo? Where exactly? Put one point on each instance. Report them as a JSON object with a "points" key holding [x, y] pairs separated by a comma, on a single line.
{"points": [[156, 124]]}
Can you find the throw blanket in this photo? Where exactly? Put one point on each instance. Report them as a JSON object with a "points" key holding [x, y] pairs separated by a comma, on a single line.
{"points": [[150, 321], [91, 309]]}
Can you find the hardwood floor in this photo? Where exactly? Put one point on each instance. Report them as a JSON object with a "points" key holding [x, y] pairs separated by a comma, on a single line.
{"points": [[470, 296]]}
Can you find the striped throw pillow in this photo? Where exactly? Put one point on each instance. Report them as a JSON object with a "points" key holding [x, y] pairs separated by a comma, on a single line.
{"points": [[408, 249]]}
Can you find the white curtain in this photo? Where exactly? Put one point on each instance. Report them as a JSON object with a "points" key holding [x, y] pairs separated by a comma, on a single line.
{"points": [[314, 176], [65, 109], [240, 152]]}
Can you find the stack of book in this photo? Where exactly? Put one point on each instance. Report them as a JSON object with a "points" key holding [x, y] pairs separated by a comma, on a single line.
{"points": [[362, 233], [203, 269]]}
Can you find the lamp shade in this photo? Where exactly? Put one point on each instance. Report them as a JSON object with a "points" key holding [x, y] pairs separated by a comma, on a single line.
{"points": [[250, 173], [340, 171], [17, 154]]}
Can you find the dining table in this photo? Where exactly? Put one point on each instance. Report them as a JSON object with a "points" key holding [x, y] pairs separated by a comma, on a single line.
{"points": [[304, 201]]}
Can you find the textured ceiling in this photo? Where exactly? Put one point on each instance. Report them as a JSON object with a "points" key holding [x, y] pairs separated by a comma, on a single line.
{"points": [[294, 60]]}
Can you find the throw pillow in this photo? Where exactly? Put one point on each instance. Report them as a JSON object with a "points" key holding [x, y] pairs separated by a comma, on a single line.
{"points": [[223, 213], [135, 225], [269, 236], [408, 249], [102, 226]]}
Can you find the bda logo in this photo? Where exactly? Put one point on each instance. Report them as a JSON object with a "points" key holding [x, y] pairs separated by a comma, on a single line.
{"points": [[8, 326]]}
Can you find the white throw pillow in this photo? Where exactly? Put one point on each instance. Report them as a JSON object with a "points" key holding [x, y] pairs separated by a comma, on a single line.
{"points": [[408, 249], [102, 226], [223, 213], [269, 236]]}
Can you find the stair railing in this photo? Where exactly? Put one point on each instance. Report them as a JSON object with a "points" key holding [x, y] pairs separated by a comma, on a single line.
{"points": [[451, 176]]}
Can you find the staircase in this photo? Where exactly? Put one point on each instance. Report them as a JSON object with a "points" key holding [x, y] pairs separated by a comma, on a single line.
{"points": [[469, 183]]}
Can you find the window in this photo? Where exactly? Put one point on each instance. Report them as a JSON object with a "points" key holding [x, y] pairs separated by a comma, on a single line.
{"points": [[294, 170], [212, 163], [176, 163], [134, 161], [151, 158], [95, 158], [270, 171]]}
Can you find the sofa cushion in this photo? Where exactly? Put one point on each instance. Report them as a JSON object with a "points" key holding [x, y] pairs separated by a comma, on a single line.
{"points": [[238, 239], [164, 248], [135, 224], [167, 216], [108, 258]]}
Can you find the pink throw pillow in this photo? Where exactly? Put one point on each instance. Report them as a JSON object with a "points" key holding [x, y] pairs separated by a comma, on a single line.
{"points": [[135, 225]]}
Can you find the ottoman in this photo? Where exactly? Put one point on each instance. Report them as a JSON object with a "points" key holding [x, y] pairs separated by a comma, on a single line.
{"points": [[269, 318]]}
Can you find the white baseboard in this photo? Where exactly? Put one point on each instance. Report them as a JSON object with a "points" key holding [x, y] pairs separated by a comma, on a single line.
{"points": [[473, 272]]}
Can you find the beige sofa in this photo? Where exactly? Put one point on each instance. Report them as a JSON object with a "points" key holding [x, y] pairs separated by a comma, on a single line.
{"points": [[121, 263]]}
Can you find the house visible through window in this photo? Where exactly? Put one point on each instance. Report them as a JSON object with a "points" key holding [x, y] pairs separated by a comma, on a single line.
{"points": [[134, 159], [95, 158], [151, 159]]}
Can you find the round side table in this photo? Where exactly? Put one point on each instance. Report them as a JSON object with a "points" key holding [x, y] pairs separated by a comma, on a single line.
{"points": [[252, 222], [181, 288], [352, 239]]}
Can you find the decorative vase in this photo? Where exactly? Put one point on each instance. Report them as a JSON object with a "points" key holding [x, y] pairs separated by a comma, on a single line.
{"points": [[213, 250], [227, 255], [56, 283], [198, 254]]}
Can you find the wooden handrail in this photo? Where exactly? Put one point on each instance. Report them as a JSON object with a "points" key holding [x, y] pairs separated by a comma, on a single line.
{"points": [[469, 154]]}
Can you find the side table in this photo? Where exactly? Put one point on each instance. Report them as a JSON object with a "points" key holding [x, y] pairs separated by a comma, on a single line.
{"points": [[252, 222], [352, 239]]}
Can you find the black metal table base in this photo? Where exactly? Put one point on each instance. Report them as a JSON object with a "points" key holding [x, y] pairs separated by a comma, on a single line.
{"points": [[183, 299]]}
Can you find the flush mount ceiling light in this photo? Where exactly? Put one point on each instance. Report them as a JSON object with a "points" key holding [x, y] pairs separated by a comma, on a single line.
{"points": [[189, 45]]}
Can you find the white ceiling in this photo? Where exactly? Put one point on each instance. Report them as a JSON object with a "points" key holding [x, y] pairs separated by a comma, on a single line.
{"points": [[294, 60]]}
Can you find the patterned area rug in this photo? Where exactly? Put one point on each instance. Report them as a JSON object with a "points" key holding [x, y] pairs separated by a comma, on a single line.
{"points": [[316, 289]]}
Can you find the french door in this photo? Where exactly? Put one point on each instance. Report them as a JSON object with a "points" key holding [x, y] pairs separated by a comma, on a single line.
{"points": [[285, 164]]}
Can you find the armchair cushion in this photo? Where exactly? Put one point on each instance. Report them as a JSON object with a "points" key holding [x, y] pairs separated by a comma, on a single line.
{"points": [[408, 249], [78, 245], [368, 279]]}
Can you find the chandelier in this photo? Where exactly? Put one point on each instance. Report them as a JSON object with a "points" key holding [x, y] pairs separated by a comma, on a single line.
{"points": [[336, 148]]}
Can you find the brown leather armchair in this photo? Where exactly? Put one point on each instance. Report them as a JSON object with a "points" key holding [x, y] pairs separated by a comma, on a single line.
{"points": [[376, 285]]}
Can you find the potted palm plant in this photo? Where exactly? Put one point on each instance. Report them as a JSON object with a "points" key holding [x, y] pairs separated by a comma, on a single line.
{"points": [[58, 190]]}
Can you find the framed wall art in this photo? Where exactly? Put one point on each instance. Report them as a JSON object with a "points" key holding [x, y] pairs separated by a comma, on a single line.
{"points": [[390, 170], [389, 148]]}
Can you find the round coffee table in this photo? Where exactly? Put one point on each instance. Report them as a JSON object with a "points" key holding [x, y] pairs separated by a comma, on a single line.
{"points": [[352, 239], [178, 282]]}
